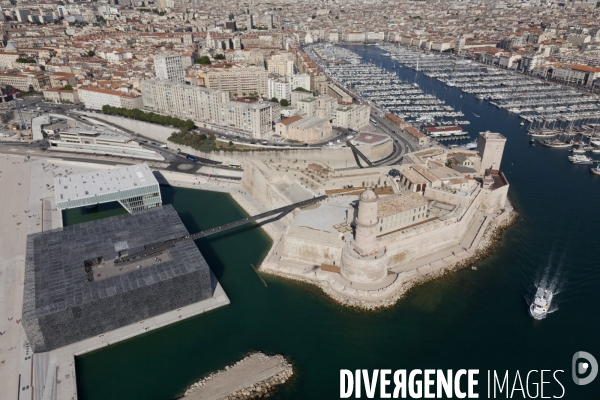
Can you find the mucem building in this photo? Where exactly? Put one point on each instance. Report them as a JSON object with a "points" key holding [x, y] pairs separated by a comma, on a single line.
{"points": [[74, 290], [134, 186]]}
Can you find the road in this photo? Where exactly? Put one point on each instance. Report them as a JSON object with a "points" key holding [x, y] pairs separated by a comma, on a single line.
{"points": [[177, 159]]}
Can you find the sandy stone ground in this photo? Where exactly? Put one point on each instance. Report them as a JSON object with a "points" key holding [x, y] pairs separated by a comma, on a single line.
{"points": [[14, 221]]}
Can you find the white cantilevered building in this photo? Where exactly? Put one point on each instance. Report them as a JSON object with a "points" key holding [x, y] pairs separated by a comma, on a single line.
{"points": [[102, 142], [134, 187]]}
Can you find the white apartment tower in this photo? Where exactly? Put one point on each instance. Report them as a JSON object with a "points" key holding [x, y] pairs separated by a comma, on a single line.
{"points": [[169, 66], [278, 89]]}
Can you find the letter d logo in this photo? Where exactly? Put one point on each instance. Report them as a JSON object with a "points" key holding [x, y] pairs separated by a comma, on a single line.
{"points": [[583, 367]]}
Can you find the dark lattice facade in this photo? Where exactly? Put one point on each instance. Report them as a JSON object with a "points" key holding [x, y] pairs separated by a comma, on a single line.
{"points": [[66, 300]]}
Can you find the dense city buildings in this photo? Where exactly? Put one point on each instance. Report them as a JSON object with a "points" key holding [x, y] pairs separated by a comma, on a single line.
{"points": [[83, 53], [314, 113]]}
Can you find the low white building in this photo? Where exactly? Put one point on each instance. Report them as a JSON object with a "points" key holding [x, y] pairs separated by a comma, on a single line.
{"points": [[94, 98], [59, 95], [101, 142]]}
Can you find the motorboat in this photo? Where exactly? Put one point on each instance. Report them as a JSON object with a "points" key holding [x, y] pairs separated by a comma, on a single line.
{"points": [[578, 150], [541, 303], [580, 159], [596, 171], [471, 145]]}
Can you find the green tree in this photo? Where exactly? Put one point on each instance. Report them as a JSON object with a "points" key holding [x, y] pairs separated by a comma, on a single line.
{"points": [[91, 53], [203, 60], [219, 57], [274, 100], [23, 60], [67, 87], [283, 102]]}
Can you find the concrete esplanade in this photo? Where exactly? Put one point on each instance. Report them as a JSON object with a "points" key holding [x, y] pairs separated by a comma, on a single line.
{"points": [[362, 260]]}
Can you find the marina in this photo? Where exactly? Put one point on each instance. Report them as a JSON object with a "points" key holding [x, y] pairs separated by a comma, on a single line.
{"points": [[557, 115], [384, 90], [534, 99]]}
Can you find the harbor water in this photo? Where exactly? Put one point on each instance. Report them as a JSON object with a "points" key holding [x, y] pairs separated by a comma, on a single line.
{"points": [[466, 320]]}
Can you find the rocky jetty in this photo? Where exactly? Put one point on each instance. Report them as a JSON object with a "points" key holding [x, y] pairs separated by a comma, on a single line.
{"points": [[268, 371]]}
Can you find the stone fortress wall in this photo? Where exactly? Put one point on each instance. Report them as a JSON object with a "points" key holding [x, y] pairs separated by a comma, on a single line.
{"points": [[333, 156], [349, 258]]}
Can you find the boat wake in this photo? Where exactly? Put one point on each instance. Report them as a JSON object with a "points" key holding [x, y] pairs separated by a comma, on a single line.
{"points": [[551, 277]]}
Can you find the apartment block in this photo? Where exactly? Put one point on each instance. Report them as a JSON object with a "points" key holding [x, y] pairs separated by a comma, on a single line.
{"points": [[281, 64], [183, 101], [278, 89], [238, 82], [321, 106], [26, 82], [169, 66], [300, 81], [248, 117], [351, 116]]}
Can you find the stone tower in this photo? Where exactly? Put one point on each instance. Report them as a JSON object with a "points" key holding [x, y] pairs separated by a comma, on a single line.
{"points": [[363, 260], [366, 223], [490, 147]]}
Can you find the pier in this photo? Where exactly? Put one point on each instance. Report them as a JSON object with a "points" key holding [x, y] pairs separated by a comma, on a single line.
{"points": [[154, 249]]}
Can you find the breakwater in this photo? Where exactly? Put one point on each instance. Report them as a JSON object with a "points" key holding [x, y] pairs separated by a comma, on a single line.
{"points": [[257, 375]]}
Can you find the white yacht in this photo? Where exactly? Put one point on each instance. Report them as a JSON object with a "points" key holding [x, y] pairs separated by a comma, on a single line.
{"points": [[580, 159], [541, 303]]}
